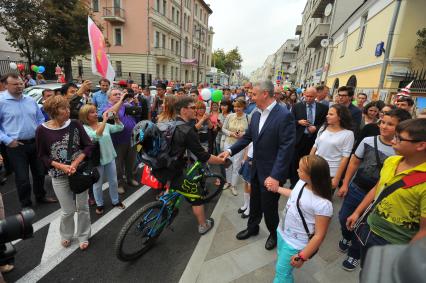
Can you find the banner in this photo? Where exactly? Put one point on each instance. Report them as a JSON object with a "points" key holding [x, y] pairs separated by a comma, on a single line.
{"points": [[101, 65]]}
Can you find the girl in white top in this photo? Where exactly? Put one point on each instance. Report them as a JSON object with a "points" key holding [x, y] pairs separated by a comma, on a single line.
{"points": [[312, 194], [335, 141]]}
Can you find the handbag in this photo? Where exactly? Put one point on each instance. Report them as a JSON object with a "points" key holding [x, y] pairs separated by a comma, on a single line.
{"points": [[86, 175], [133, 110], [303, 218], [406, 182]]}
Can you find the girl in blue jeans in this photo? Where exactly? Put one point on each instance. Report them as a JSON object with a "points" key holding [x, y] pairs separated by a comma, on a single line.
{"points": [[101, 132], [312, 195]]}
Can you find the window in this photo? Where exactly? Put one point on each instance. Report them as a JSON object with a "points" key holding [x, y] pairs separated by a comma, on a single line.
{"points": [[157, 39], [118, 70], [177, 17], [173, 14], [164, 7], [362, 30], [196, 10], [193, 53], [171, 72], [177, 73], [157, 70], [118, 36], [157, 5], [164, 72], [344, 43], [95, 5], [117, 3], [177, 47], [186, 47], [172, 44], [80, 67], [164, 41]]}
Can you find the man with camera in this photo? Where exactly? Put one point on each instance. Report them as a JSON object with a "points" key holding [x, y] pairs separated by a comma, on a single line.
{"points": [[126, 154]]}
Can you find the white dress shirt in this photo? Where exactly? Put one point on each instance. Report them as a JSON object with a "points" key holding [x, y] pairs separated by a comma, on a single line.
{"points": [[265, 113]]}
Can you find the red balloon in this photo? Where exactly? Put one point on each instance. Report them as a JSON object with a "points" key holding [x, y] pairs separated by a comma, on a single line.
{"points": [[21, 67]]}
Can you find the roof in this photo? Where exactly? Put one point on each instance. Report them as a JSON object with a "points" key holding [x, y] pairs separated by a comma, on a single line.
{"points": [[206, 6]]}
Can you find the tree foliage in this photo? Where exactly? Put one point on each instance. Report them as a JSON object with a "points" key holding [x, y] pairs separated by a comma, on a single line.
{"points": [[227, 62], [47, 30], [421, 42]]}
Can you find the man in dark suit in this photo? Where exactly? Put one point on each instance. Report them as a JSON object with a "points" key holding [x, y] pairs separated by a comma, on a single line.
{"points": [[346, 95], [272, 131], [309, 116]]}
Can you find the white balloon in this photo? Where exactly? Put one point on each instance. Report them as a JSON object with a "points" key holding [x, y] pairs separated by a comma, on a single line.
{"points": [[206, 94], [13, 65]]}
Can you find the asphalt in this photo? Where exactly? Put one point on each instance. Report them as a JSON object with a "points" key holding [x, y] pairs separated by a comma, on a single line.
{"points": [[164, 263]]}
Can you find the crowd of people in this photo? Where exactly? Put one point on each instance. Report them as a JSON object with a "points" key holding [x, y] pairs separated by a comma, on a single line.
{"points": [[346, 147]]}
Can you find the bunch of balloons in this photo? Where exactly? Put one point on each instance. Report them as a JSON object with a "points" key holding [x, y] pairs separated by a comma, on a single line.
{"points": [[214, 95], [38, 69], [15, 66]]}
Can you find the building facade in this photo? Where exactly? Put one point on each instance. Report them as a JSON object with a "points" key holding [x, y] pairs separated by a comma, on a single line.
{"points": [[311, 54], [154, 39], [360, 56]]}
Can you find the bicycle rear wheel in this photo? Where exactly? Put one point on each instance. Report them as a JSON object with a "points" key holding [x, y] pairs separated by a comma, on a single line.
{"points": [[212, 185], [140, 231]]}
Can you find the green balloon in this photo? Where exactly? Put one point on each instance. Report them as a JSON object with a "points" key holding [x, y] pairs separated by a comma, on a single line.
{"points": [[285, 88], [35, 69], [217, 95]]}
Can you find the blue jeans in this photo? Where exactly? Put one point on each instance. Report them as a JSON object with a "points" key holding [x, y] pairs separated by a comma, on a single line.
{"points": [[283, 268], [110, 171], [353, 198]]}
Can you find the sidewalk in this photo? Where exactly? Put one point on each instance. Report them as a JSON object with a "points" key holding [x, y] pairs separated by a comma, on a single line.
{"points": [[220, 257]]}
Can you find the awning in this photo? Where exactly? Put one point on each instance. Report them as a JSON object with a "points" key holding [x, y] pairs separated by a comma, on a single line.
{"points": [[192, 62]]}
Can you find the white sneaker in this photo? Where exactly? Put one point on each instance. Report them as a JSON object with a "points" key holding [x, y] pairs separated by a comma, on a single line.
{"points": [[120, 190], [203, 229], [226, 186], [233, 190]]}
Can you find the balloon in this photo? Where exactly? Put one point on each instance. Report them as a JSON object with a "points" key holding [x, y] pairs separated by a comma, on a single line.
{"points": [[285, 87], [21, 67], [34, 68], [217, 95], [298, 90], [206, 94], [212, 90], [41, 69], [13, 65]]}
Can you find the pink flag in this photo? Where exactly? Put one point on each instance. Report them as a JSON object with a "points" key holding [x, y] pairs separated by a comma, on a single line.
{"points": [[100, 63]]}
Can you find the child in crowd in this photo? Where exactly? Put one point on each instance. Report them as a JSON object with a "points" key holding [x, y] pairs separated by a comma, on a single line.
{"points": [[400, 217], [305, 218], [362, 174]]}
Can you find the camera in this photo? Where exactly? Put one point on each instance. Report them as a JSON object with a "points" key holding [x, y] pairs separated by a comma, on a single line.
{"points": [[18, 226]]}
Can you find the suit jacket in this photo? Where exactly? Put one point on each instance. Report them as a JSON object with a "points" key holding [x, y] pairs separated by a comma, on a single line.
{"points": [[273, 147], [299, 112]]}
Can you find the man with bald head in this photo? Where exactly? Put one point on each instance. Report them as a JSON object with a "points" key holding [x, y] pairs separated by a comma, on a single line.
{"points": [[309, 116]]}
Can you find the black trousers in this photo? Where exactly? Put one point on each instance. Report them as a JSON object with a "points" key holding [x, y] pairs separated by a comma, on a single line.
{"points": [[303, 147], [263, 202], [23, 158], [7, 165]]}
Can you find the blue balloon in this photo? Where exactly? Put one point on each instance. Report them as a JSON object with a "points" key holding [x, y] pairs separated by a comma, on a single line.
{"points": [[299, 90], [41, 69], [211, 90]]}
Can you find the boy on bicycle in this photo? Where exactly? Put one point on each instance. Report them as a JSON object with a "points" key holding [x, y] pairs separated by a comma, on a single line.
{"points": [[185, 138]]}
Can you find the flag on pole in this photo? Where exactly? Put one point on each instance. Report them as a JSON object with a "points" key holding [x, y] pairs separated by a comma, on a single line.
{"points": [[101, 65]]}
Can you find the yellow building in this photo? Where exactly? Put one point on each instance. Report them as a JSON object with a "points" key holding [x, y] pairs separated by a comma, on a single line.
{"points": [[356, 56]]}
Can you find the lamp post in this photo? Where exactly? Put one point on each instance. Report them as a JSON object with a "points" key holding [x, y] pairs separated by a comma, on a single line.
{"points": [[200, 32]]}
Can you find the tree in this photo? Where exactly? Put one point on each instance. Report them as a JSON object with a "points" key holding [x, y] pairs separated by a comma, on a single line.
{"points": [[227, 62], [24, 25], [66, 35]]}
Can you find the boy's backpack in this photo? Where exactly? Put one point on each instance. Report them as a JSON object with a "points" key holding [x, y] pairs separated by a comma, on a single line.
{"points": [[154, 142]]}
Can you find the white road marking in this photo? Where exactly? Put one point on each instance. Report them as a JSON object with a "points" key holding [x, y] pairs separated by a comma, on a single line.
{"points": [[45, 267], [51, 217]]}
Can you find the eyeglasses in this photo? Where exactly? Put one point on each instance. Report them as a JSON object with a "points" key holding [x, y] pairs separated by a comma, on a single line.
{"points": [[398, 139]]}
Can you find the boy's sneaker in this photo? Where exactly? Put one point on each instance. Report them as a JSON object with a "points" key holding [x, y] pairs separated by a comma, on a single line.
{"points": [[344, 245], [350, 264], [203, 229]]}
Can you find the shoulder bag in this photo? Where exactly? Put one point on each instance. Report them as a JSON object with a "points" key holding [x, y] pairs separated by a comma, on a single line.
{"points": [[305, 225], [86, 175]]}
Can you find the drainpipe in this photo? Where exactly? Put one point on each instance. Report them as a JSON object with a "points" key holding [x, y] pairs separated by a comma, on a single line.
{"points": [[389, 43]]}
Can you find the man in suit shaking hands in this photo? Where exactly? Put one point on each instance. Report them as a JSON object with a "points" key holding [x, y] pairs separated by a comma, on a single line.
{"points": [[309, 116], [272, 131]]}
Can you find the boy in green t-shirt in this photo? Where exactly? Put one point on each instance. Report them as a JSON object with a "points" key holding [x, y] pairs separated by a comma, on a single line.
{"points": [[399, 218]]}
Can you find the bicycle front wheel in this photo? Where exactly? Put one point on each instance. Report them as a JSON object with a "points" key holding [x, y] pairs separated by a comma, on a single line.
{"points": [[140, 231], [212, 185]]}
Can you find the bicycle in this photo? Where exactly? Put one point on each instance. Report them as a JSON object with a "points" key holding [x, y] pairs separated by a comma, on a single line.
{"points": [[148, 222]]}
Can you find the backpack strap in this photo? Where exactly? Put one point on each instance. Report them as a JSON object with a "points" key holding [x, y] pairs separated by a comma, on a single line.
{"points": [[305, 225], [376, 151]]}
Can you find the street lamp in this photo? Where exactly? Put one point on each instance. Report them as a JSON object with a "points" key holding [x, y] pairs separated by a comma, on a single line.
{"points": [[200, 31]]}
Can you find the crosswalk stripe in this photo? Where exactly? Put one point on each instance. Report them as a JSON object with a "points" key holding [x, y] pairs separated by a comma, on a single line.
{"points": [[45, 267], [51, 217]]}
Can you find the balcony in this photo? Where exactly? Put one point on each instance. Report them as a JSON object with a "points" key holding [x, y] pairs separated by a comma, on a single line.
{"points": [[318, 7], [319, 33], [298, 30], [113, 15], [163, 53]]}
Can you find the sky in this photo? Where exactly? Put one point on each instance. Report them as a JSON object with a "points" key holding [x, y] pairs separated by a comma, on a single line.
{"points": [[257, 27]]}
